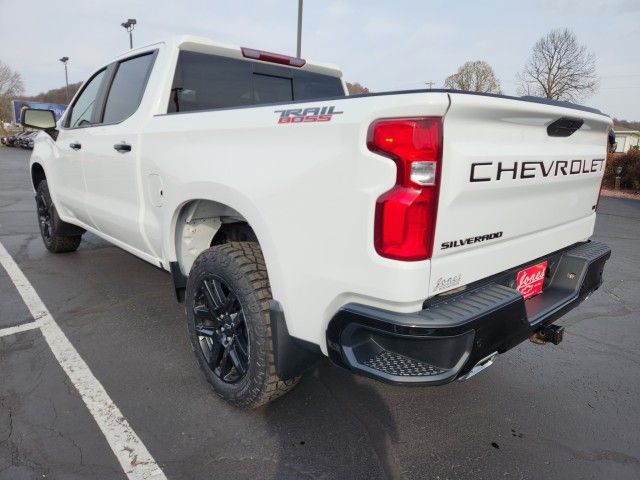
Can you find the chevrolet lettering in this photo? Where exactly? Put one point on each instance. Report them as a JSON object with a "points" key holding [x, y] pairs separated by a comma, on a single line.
{"points": [[488, 171]]}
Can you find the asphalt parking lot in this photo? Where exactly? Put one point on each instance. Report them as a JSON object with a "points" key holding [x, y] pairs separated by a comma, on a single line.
{"points": [[570, 411]]}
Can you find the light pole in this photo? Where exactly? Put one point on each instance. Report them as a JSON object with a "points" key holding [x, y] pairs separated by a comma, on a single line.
{"points": [[66, 76], [129, 26], [299, 46]]}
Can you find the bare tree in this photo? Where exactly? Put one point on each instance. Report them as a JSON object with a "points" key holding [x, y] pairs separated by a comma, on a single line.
{"points": [[11, 86], [56, 95], [559, 68], [477, 76], [356, 88]]}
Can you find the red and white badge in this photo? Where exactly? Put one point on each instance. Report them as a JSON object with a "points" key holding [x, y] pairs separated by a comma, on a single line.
{"points": [[529, 281]]}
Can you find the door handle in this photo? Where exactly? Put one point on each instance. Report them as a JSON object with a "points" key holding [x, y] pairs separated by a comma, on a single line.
{"points": [[75, 146], [122, 147]]}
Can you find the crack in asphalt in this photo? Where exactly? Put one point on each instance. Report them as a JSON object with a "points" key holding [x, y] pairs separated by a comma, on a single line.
{"points": [[610, 293], [275, 461], [593, 456], [612, 350], [10, 424]]}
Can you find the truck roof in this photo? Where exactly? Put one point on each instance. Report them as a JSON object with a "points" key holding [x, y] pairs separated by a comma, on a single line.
{"points": [[205, 45]]}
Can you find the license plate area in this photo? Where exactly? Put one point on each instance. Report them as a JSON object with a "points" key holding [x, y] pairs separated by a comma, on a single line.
{"points": [[530, 280]]}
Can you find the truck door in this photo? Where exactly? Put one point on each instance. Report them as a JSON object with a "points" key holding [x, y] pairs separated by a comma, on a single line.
{"points": [[65, 173], [112, 155]]}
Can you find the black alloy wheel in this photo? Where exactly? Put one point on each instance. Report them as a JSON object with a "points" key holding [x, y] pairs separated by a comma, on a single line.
{"points": [[221, 328], [58, 236], [45, 216], [227, 302]]}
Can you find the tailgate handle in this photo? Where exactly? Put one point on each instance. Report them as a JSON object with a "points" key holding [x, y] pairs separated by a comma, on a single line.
{"points": [[563, 127]]}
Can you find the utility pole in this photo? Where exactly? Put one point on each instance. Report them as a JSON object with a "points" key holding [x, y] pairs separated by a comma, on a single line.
{"points": [[299, 47], [430, 84], [129, 26], [66, 76]]}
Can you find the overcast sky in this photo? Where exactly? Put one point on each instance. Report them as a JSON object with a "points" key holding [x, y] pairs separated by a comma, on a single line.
{"points": [[385, 45]]}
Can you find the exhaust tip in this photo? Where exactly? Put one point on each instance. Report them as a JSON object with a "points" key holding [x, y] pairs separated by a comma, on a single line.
{"points": [[478, 367]]}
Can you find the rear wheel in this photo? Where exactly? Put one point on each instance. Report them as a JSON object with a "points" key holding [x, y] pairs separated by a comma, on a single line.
{"points": [[227, 302], [51, 225]]}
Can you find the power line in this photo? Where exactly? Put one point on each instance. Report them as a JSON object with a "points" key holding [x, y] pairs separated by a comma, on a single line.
{"points": [[622, 75], [620, 88]]}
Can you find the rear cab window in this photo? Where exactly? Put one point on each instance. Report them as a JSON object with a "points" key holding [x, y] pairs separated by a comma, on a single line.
{"points": [[271, 89], [206, 82]]}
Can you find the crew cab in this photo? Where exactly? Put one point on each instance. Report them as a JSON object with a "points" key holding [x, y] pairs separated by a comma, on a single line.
{"points": [[409, 236]]}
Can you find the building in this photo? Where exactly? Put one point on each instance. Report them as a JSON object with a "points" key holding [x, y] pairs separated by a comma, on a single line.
{"points": [[626, 139]]}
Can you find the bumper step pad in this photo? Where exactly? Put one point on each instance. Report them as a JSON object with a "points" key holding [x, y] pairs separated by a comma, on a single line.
{"points": [[393, 363]]}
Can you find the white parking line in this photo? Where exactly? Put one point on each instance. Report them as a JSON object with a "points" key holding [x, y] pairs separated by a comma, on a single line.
{"points": [[133, 456], [19, 328]]}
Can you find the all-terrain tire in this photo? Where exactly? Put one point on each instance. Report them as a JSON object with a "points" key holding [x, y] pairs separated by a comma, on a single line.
{"points": [[241, 267], [51, 225]]}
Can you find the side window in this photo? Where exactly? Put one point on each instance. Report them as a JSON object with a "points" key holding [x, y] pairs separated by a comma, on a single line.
{"points": [[268, 89], [82, 110], [127, 88], [204, 82]]}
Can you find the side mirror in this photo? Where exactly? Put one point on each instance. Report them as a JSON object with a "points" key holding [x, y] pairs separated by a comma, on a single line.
{"points": [[42, 119]]}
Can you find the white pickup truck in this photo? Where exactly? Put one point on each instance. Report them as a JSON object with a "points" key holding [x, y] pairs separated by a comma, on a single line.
{"points": [[408, 236]]}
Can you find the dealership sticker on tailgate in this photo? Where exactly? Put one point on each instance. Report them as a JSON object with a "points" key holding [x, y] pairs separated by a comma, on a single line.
{"points": [[529, 280]]}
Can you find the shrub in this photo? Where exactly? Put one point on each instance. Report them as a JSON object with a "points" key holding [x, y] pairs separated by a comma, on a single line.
{"points": [[630, 163]]}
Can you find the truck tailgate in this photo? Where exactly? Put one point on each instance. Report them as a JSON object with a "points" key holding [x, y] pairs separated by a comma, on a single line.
{"points": [[513, 188]]}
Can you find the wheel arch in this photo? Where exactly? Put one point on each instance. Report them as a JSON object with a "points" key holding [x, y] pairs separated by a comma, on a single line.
{"points": [[215, 201], [37, 174], [199, 223]]}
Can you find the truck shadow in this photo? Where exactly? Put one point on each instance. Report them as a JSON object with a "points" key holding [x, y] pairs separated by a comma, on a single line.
{"points": [[333, 425]]}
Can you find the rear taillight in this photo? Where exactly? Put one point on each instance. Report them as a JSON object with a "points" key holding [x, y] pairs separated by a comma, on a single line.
{"points": [[406, 215]]}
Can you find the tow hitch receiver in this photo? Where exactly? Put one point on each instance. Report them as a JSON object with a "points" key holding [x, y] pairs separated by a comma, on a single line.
{"points": [[549, 333]]}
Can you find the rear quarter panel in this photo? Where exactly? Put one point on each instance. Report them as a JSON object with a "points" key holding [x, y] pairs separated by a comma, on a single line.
{"points": [[307, 189]]}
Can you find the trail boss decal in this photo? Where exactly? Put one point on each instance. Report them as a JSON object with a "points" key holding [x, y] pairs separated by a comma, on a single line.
{"points": [[490, 171], [468, 241], [309, 114]]}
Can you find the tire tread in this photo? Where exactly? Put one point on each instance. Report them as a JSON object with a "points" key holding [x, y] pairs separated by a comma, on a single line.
{"points": [[247, 261], [59, 243]]}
